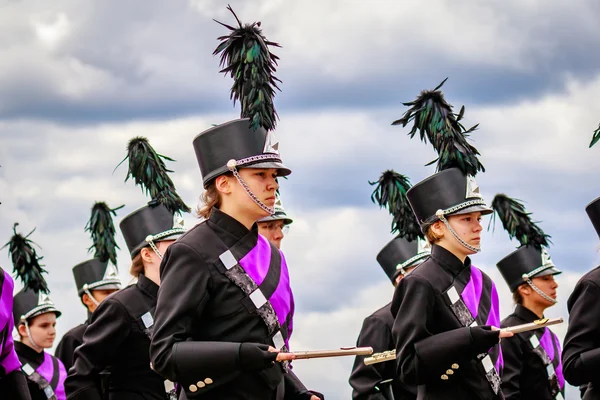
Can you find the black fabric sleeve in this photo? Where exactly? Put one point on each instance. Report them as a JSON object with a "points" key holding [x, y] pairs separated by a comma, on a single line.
{"points": [[109, 327], [66, 349], [14, 386], [422, 356], [183, 295], [363, 379], [581, 354], [512, 352]]}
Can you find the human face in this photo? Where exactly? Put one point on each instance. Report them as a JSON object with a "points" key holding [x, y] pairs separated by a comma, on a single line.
{"points": [[262, 183], [99, 295], [43, 329], [468, 228], [274, 231], [546, 284]]}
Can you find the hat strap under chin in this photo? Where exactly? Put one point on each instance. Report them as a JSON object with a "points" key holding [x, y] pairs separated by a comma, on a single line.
{"points": [[233, 169], [538, 290], [442, 217], [86, 290], [35, 346]]}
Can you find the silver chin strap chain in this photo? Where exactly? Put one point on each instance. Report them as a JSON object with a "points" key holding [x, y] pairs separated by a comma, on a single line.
{"points": [[232, 166], [440, 215], [153, 246], [538, 290]]}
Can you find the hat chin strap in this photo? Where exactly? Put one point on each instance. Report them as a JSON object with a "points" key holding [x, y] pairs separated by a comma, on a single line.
{"points": [[538, 290], [442, 217], [35, 346], [153, 246], [231, 165], [86, 290]]}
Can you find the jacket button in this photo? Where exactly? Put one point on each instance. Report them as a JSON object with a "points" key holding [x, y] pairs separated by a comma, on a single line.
{"points": [[193, 388], [208, 381], [200, 384], [449, 372], [454, 366], [444, 377]]}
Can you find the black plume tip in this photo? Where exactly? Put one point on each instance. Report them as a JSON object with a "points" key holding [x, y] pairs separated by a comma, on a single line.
{"points": [[26, 262], [246, 57], [517, 222], [432, 116], [102, 231], [595, 137], [148, 170], [390, 193]]}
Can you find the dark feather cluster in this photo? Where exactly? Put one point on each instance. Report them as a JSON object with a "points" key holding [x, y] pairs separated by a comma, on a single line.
{"points": [[246, 57], [517, 222], [148, 169], [433, 117], [102, 230], [26, 262], [390, 193], [596, 137]]}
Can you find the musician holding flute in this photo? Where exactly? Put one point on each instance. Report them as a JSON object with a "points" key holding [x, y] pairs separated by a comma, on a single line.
{"points": [[446, 310], [532, 359]]}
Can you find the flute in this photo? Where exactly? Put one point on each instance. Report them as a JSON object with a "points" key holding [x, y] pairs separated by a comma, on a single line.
{"points": [[390, 355], [344, 351]]}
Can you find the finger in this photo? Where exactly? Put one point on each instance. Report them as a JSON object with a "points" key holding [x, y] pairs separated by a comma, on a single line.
{"points": [[285, 356], [273, 350], [494, 328]]}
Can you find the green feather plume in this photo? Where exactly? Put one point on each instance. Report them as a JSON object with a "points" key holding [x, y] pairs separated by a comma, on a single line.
{"points": [[246, 57], [517, 222], [148, 170], [433, 118], [26, 262], [596, 137], [390, 193], [102, 230]]}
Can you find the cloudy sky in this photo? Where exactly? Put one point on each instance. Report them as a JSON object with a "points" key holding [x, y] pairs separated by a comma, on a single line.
{"points": [[78, 79]]}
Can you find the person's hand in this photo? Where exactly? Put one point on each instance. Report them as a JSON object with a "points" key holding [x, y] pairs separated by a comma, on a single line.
{"points": [[503, 334], [282, 356]]}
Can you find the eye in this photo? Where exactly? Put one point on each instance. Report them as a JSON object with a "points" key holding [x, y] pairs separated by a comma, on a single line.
{"points": [[468, 219]]}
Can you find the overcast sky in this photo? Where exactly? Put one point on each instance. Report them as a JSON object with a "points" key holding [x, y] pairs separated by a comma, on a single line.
{"points": [[78, 79]]}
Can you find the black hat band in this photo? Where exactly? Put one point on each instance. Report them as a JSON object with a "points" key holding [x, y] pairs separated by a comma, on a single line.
{"points": [[104, 282]]}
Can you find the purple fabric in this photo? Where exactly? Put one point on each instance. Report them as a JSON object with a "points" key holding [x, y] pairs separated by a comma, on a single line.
{"points": [[9, 361], [46, 370], [471, 294], [546, 341], [256, 264]]}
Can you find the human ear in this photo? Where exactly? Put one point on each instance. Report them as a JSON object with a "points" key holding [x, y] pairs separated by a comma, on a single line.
{"points": [[438, 228], [146, 255], [22, 331], [222, 184]]}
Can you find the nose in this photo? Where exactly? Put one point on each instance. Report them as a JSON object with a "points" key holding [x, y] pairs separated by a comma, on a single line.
{"points": [[478, 227], [273, 184]]}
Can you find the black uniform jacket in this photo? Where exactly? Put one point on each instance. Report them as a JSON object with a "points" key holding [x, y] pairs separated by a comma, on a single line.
{"points": [[435, 351], [69, 342], [525, 374], [376, 332], [29, 356], [581, 354], [202, 318], [118, 339]]}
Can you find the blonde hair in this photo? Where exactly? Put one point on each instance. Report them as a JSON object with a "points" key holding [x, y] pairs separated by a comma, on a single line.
{"points": [[431, 236]]}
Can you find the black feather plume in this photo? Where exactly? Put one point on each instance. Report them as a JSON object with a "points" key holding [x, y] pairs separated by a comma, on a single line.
{"points": [[246, 57], [433, 117], [102, 230], [596, 136], [26, 262], [517, 222], [148, 169], [391, 193]]}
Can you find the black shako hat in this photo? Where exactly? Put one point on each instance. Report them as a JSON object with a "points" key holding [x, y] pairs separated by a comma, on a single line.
{"points": [[525, 263], [400, 254], [151, 223], [593, 211], [95, 274], [449, 191], [29, 303], [236, 144]]}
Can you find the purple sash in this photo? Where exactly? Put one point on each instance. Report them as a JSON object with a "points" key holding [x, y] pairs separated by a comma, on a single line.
{"points": [[551, 345], [47, 371], [9, 361], [258, 264]]}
